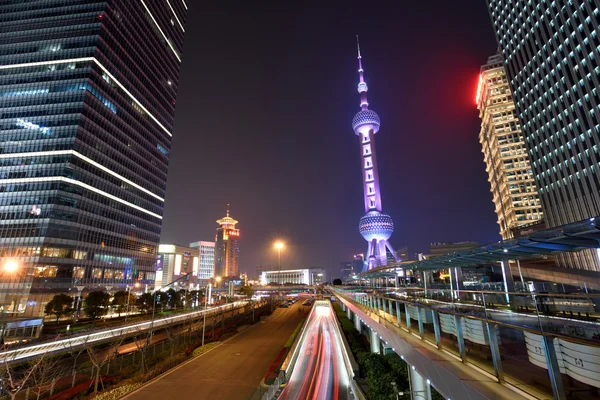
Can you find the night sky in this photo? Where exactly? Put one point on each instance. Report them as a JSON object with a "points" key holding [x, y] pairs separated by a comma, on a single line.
{"points": [[266, 99]]}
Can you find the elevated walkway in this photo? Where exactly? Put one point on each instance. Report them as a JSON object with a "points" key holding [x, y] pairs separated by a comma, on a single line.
{"points": [[482, 347]]}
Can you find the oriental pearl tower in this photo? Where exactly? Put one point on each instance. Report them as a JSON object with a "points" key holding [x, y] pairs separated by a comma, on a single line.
{"points": [[376, 227]]}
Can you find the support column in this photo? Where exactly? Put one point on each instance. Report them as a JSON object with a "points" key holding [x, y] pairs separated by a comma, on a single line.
{"points": [[553, 369], [383, 307], [420, 389], [343, 307], [348, 313], [398, 314], [407, 315], [458, 275], [357, 324], [420, 320], [459, 336], [375, 342], [492, 331], [436, 328], [507, 277], [391, 310]]}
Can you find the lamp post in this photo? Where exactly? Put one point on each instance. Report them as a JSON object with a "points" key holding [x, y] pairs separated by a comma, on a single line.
{"points": [[128, 297], [154, 305], [279, 246], [209, 287]]}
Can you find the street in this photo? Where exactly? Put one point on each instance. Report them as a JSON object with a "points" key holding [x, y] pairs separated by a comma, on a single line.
{"points": [[232, 371]]}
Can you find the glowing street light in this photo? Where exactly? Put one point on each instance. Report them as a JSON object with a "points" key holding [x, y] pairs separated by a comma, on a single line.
{"points": [[11, 267]]}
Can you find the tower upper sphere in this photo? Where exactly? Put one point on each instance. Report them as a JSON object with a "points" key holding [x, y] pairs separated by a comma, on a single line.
{"points": [[365, 121]]}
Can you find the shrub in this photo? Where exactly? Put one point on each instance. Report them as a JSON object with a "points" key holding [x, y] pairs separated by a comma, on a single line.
{"points": [[205, 348], [118, 392]]}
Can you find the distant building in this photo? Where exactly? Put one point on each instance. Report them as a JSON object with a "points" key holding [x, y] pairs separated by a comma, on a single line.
{"points": [[514, 192], [402, 254], [307, 276], [207, 260], [176, 261], [346, 268], [227, 248], [358, 262]]}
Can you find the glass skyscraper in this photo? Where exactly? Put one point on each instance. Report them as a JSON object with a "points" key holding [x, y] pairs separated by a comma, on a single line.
{"points": [[552, 53], [87, 105]]}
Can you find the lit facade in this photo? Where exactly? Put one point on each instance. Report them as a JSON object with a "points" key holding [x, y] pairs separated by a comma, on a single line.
{"points": [[207, 259], [87, 105], [227, 248], [376, 227], [176, 261], [552, 53], [515, 195], [307, 276]]}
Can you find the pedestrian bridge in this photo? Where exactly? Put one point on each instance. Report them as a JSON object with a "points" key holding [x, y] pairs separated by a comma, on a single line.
{"points": [[484, 345]]}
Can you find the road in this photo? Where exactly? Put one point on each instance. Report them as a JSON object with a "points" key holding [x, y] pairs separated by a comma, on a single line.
{"points": [[233, 370], [320, 372]]}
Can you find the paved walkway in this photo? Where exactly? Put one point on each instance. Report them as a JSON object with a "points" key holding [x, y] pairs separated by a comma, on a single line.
{"points": [[232, 371]]}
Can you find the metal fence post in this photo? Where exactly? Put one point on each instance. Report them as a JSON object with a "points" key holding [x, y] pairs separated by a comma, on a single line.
{"points": [[553, 369], [492, 331], [459, 336]]}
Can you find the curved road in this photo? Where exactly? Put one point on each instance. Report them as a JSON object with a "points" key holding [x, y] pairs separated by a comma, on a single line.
{"points": [[320, 372]]}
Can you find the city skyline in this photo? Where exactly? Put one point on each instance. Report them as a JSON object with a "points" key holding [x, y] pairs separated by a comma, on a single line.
{"points": [[249, 162]]}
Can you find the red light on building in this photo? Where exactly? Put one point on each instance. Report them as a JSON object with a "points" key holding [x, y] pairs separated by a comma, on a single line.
{"points": [[479, 89], [233, 232]]}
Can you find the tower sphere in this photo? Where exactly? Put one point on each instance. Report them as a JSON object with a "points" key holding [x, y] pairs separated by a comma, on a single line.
{"points": [[376, 225], [365, 121]]}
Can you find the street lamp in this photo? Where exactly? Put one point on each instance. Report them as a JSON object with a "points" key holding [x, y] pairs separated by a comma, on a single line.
{"points": [[137, 284], [154, 305], [279, 246], [11, 267]]}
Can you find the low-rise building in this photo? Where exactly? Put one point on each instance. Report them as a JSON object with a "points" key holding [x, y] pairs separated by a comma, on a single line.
{"points": [[307, 276], [175, 261]]}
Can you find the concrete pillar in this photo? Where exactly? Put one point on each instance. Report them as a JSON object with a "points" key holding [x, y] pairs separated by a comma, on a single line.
{"points": [[357, 324], [375, 342], [398, 314], [420, 320], [420, 388], [492, 331], [460, 339], [343, 307], [348, 313], [407, 315], [507, 277], [458, 275], [553, 368], [383, 306], [436, 328]]}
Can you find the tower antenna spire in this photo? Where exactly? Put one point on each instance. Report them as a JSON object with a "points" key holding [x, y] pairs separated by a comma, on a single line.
{"points": [[228, 209], [362, 85]]}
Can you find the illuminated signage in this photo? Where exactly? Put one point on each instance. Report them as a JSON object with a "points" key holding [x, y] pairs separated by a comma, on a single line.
{"points": [[233, 232]]}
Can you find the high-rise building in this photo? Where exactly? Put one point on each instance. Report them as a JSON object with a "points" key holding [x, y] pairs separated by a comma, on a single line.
{"points": [[376, 227], [175, 262], [515, 195], [552, 53], [87, 106], [207, 260], [358, 262], [227, 247]]}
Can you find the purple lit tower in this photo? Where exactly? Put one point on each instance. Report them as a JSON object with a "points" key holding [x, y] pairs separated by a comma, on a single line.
{"points": [[376, 227]]}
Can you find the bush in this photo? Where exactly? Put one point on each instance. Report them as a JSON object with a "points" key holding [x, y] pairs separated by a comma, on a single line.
{"points": [[205, 348], [118, 392]]}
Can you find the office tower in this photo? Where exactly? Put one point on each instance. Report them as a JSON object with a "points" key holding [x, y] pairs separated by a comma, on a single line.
{"points": [[515, 196], [552, 53], [376, 227], [177, 261], [87, 104], [227, 248], [207, 260], [358, 262]]}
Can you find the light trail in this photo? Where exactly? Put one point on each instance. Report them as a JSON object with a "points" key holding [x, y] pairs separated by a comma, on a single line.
{"points": [[320, 372], [69, 344]]}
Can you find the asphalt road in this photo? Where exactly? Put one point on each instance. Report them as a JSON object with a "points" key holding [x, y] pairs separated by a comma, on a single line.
{"points": [[233, 370], [320, 372]]}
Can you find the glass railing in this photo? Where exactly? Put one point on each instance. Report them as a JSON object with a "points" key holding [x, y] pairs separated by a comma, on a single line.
{"points": [[514, 323]]}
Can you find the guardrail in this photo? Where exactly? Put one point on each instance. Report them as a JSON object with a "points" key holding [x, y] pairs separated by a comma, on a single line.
{"points": [[274, 388], [69, 344]]}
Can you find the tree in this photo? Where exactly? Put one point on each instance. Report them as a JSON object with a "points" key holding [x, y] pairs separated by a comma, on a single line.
{"points": [[96, 304], [60, 305], [337, 282], [121, 299], [144, 302], [174, 298], [247, 291], [100, 357], [16, 377]]}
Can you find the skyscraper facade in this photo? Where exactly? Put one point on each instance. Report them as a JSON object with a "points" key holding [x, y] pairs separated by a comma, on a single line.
{"points": [[227, 248], [515, 195], [87, 105], [376, 227], [207, 260], [552, 53]]}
